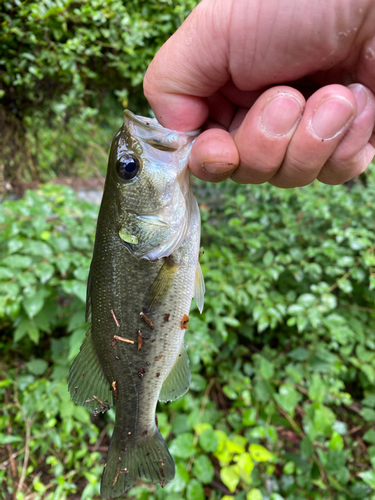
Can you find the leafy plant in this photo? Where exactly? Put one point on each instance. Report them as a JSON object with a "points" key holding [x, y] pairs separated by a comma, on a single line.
{"points": [[60, 59], [282, 399]]}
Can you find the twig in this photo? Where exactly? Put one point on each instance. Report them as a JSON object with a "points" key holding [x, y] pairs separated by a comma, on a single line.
{"points": [[4, 465], [27, 440], [355, 429], [220, 487], [114, 317], [201, 412], [13, 467], [116, 338], [359, 308], [290, 420], [100, 440], [49, 485], [147, 320]]}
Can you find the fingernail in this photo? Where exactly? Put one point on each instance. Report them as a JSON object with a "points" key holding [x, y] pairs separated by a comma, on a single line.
{"points": [[361, 96], [217, 168], [281, 114], [331, 117]]}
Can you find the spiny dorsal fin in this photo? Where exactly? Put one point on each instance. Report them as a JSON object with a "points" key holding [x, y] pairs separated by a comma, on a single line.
{"points": [[178, 380], [199, 288], [162, 284]]}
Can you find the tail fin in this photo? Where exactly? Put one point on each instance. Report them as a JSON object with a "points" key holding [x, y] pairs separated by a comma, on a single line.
{"points": [[144, 457]]}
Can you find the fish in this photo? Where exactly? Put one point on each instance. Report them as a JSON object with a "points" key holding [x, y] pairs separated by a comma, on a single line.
{"points": [[144, 273]]}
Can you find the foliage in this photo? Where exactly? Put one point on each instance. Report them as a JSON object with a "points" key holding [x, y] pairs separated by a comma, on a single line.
{"points": [[60, 58], [282, 400]]}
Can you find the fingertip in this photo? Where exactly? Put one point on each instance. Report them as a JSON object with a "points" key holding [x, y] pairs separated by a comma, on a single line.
{"points": [[214, 155], [178, 112], [332, 174]]}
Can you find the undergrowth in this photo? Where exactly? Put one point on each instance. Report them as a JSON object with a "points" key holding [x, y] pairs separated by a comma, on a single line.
{"points": [[282, 400]]}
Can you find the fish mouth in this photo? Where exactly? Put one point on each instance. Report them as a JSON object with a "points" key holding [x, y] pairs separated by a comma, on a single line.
{"points": [[149, 130]]}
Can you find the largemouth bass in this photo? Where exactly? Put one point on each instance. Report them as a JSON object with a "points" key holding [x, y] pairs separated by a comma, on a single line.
{"points": [[144, 272]]}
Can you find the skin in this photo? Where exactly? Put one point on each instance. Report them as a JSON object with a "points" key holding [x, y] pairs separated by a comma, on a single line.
{"points": [[284, 89]]}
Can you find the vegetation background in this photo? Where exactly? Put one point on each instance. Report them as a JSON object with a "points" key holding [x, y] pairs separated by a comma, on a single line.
{"points": [[282, 400]]}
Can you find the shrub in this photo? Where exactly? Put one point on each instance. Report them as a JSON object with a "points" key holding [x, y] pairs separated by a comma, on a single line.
{"points": [[60, 58], [282, 400]]}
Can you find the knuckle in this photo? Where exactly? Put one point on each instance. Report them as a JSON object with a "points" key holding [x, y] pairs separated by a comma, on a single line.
{"points": [[301, 166]]}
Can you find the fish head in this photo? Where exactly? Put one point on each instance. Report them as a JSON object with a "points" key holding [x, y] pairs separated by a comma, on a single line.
{"points": [[147, 183]]}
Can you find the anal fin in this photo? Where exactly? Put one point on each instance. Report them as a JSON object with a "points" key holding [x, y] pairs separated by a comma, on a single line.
{"points": [[178, 380], [86, 378]]}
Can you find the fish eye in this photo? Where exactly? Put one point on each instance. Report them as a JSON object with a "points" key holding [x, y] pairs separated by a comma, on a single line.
{"points": [[127, 167]]}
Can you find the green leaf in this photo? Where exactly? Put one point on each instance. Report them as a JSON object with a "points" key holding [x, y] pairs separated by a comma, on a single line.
{"points": [[266, 368], [182, 446], [230, 392], [6, 439], [317, 390], [17, 261], [254, 494], [249, 417], [33, 333], [329, 301], [194, 490], [198, 383], [180, 481], [230, 477], [306, 300], [345, 285], [208, 440], [21, 329], [34, 303], [368, 477], [268, 258], [37, 366], [74, 287], [307, 447], [203, 469], [336, 442], [323, 419], [287, 398], [369, 436], [299, 354], [5, 274], [260, 453]]}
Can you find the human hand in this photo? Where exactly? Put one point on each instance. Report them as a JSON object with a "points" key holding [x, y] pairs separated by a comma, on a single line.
{"points": [[285, 90]]}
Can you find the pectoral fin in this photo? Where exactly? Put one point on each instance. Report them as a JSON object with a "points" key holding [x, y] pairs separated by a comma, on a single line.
{"points": [[199, 288], [86, 378], [178, 380], [162, 284]]}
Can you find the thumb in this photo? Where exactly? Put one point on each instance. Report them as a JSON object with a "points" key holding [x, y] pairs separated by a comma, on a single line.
{"points": [[189, 67]]}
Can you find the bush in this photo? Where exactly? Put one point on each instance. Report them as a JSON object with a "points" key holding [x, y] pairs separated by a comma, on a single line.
{"points": [[282, 400], [61, 58]]}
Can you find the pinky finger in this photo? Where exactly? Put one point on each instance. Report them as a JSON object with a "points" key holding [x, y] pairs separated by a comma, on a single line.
{"points": [[356, 150]]}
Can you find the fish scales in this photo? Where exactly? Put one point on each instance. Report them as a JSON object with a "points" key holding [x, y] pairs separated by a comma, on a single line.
{"points": [[146, 260]]}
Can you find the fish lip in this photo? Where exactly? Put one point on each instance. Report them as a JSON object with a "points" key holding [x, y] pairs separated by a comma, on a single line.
{"points": [[153, 124]]}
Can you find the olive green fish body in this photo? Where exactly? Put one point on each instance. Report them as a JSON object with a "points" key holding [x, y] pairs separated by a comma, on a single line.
{"points": [[143, 275]]}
